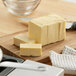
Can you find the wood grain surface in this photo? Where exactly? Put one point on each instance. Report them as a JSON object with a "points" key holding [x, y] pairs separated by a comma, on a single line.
{"points": [[6, 42], [8, 23], [10, 27]]}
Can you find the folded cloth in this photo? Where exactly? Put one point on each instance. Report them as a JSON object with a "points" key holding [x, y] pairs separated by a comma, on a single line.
{"points": [[68, 50], [67, 62]]}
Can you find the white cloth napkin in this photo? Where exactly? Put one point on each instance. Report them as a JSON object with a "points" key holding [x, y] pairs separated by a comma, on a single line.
{"points": [[66, 60], [69, 51]]}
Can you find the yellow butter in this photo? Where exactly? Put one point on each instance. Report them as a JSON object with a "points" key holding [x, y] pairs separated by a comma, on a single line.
{"points": [[31, 49], [38, 33], [22, 38], [47, 29]]}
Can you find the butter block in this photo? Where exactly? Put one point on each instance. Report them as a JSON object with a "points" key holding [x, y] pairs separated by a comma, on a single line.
{"points": [[31, 49], [22, 38], [38, 32], [47, 29]]}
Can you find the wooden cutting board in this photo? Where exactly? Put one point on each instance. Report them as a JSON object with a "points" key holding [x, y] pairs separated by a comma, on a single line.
{"points": [[6, 42]]}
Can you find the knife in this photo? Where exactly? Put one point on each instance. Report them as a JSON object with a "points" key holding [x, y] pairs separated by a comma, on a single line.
{"points": [[71, 25]]}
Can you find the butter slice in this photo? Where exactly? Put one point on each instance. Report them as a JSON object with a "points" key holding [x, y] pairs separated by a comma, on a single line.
{"points": [[47, 29], [31, 49], [22, 38], [56, 29]]}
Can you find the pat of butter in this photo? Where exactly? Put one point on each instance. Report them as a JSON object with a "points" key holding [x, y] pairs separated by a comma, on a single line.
{"points": [[31, 49], [47, 29], [22, 38]]}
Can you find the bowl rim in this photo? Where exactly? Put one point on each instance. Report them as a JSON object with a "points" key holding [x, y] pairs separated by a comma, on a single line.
{"points": [[25, 0]]}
